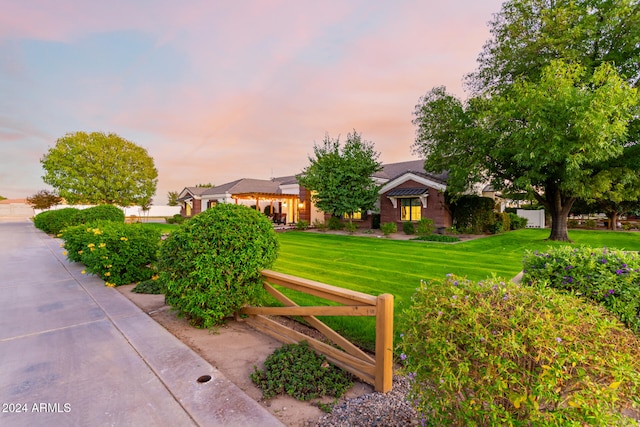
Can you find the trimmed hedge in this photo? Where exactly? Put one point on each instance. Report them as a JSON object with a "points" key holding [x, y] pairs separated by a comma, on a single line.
{"points": [[211, 264], [52, 222], [607, 276], [100, 213], [497, 353]]}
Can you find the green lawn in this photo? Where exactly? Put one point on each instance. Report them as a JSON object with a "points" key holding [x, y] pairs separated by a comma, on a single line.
{"points": [[162, 226], [378, 265]]}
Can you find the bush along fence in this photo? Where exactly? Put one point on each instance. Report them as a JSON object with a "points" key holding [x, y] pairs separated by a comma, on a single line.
{"points": [[377, 370]]}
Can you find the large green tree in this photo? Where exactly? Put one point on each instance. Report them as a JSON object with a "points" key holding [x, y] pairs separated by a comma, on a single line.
{"points": [[100, 168], [553, 102], [339, 177]]}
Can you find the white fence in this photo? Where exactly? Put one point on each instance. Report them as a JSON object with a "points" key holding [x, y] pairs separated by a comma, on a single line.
{"points": [[154, 211], [535, 219]]}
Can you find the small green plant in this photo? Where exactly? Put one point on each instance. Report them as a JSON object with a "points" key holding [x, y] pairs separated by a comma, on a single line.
{"points": [[150, 286], [319, 225], [573, 223], [496, 353], [425, 227], [351, 227], [335, 223], [517, 222], [590, 224], [607, 276], [176, 219], [211, 264], [408, 228], [302, 225], [297, 370], [388, 228]]}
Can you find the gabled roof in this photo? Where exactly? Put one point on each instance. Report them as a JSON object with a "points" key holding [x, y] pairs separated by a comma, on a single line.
{"points": [[190, 192], [286, 180], [243, 186], [391, 171]]}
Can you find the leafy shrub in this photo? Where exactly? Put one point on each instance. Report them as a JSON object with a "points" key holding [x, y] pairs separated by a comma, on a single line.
{"points": [[298, 371], [425, 227], [351, 226], [302, 225], [335, 223], [119, 253], [150, 286], [609, 277], [100, 213], [438, 238], [495, 228], [501, 223], [176, 219], [517, 222], [319, 225], [52, 222], [473, 212], [590, 223], [573, 223], [388, 228], [408, 228], [496, 353], [211, 264]]}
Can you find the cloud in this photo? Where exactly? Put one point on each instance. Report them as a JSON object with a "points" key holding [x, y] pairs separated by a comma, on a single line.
{"points": [[221, 90]]}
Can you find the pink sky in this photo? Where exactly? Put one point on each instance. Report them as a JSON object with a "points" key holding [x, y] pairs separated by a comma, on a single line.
{"points": [[221, 90]]}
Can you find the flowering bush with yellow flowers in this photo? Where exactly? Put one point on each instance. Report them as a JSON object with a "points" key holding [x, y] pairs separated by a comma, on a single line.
{"points": [[496, 353], [119, 253]]}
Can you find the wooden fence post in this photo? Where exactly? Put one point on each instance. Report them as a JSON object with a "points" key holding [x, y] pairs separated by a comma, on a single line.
{"points": [[384, 343]]}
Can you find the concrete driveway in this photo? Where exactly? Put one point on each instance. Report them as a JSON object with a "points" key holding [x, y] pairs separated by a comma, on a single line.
{"points": [[76, 353]]}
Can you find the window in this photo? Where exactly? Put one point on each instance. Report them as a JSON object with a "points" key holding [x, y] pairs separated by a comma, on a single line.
{"points": [[353, 215], [410, 209]]}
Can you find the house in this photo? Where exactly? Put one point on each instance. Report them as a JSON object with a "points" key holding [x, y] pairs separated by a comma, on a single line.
{"points": [[282, 199], [407, 193], [191, 200]]}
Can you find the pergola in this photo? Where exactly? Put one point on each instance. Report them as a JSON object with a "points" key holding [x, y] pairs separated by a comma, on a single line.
{"points": [[293, 199]]}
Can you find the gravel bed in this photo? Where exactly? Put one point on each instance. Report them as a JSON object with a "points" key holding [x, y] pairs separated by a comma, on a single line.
{"points": [[374, 409]]}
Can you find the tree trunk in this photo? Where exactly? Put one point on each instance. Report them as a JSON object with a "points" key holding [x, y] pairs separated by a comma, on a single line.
{"points": [[559, 228], [559, 205], [613, 220]]}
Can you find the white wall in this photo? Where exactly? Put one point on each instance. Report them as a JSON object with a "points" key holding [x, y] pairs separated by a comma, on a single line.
{"points": [[535, 219], [154, 211]]}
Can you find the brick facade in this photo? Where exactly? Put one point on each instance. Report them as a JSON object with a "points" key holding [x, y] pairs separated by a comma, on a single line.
{"points": [[435, 209]]}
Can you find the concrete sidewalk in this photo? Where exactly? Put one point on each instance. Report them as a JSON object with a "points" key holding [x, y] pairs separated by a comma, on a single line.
{"points": [[76, 353]]}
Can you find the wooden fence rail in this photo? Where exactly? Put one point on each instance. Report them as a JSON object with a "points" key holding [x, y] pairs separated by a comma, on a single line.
{"points": [[377, 370]]}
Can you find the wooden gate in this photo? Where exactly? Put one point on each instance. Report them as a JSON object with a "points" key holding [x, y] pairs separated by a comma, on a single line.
{"points": [[377, 370]]}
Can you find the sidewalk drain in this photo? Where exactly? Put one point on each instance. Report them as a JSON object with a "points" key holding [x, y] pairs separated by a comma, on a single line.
{"points": [[204, 379]]}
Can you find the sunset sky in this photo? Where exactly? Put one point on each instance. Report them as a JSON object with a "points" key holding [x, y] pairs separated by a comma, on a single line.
{"points": [[220, 90]]}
